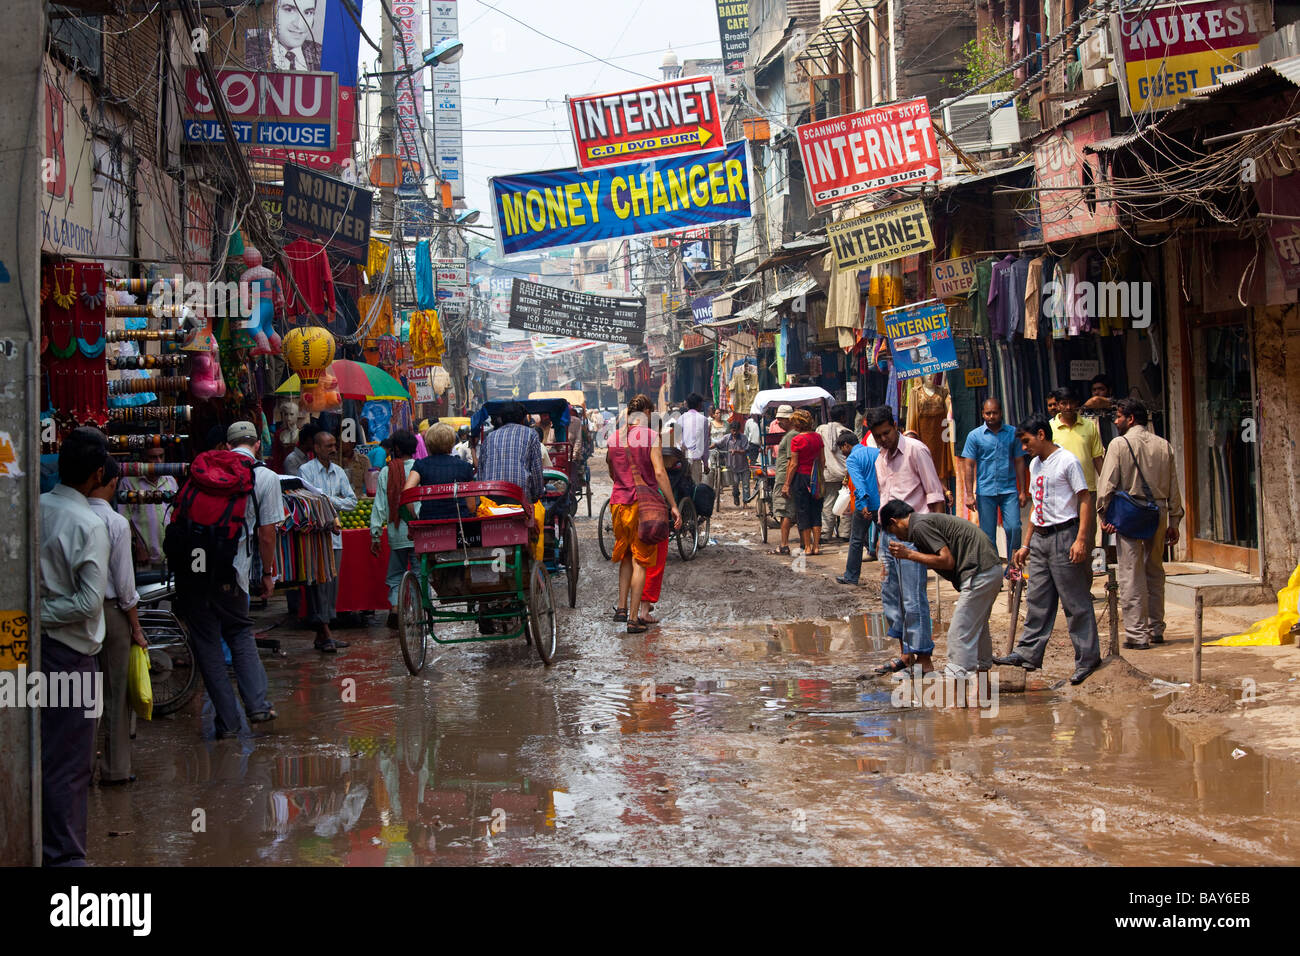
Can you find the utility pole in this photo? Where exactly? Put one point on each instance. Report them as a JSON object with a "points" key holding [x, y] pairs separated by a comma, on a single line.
{"points": [[21, 129], [387, 120]]}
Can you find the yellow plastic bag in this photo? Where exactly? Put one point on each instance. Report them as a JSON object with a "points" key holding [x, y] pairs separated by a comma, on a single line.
{"points": [[138, 684], [1272, 631]]}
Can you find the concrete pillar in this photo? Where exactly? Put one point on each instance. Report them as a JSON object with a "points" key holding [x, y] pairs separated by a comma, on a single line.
{"points": [[22, 130]]}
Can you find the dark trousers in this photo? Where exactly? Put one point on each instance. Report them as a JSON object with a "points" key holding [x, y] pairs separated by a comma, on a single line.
{"points": [[212, 619], [859, 531], [67, 759]]}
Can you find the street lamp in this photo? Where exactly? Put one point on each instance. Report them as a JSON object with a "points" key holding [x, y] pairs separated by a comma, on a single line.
{"points": [[448, 50], [468, 217]]}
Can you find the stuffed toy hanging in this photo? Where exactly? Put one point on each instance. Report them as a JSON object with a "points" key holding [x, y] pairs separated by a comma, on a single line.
{"points": [[260, 295]]}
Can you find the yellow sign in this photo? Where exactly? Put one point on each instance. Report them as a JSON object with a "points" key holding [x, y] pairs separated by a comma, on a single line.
{"points": [[975, 378], [13, 639], [697, 137], [880, 236]]}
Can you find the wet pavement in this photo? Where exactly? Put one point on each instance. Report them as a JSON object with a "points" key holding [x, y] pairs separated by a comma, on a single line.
{"points": [[749, 742]]}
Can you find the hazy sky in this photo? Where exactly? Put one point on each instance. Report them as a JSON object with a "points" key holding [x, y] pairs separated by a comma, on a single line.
{"points": [[509, 72]]}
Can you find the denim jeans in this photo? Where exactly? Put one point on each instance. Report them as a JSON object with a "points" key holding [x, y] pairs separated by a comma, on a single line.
{"points": [[988, 506], [859, 532], [223, 616], [906, 600]]}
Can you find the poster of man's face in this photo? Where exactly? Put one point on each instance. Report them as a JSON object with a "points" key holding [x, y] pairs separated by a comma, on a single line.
{"points": [[293, 42]]}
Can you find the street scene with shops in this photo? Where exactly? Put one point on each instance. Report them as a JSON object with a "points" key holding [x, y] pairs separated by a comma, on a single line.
{"points": [[840, 433]]}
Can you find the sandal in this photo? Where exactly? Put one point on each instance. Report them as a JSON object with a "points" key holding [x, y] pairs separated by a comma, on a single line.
{"points": [[620, 614], [636, 627], [893, 667], [647, 621], [779, 551]]}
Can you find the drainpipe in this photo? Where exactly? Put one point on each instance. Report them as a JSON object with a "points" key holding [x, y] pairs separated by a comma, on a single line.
{"points": [[893, 55]]}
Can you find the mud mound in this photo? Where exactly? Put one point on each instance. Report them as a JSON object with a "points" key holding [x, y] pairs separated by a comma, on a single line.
{"points": [[1199, 701], [1116, 679]]}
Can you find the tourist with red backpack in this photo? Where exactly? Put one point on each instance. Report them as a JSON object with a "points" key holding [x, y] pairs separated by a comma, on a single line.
{"points": [[230, 505]]}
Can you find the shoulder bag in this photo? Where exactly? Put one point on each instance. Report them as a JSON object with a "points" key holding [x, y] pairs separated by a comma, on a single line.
{"points": [[1133, 518], [653, 520]]}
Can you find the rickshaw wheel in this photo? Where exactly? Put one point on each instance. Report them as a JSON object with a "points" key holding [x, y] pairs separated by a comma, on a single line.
{"points": [[604, 528], [688, 536], [762, 515], [411, 626], [571, 560], [541, 612]]}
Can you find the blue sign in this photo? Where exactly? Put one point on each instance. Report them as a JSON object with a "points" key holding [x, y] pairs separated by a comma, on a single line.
{"points": [[702, 308], [570, 207], [920, 339]]}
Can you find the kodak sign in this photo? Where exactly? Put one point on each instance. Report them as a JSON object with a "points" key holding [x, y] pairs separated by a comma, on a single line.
{"points": [[680, 116]]}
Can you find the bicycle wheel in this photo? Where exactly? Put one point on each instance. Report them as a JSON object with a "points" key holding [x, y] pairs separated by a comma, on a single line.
{"points": [[605, 530], [541, 613], [762, 515], [412, 629], [172, 671], [571, 560], [688, 540], [702, 532]]}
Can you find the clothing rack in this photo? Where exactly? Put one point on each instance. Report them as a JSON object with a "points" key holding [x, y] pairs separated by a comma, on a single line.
{"points": [[305, 544]]}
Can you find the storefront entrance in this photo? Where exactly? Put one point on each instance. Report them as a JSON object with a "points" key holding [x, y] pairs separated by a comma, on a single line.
{"points": [[1223, 505]]}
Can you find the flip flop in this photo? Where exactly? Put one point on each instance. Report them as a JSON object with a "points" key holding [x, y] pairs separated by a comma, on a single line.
{"points": [[893, 667], [779, 551], [634, 627]]}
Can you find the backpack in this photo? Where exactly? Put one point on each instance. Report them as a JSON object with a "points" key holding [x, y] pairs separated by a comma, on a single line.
{"points": [[207, 520]]}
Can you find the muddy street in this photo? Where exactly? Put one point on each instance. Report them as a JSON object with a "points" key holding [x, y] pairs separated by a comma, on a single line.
{"points": [[736, 732]]}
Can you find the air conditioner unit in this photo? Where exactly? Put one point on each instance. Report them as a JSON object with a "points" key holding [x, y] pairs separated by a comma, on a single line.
{"points": [[999, 130], [1095, 52]]}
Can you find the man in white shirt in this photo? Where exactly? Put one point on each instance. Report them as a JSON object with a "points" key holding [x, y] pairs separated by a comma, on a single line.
{"points": [[288, 46], [332, 481], [219, 614], [695, 435], [301, 453], [73, 578], [121, 629], [833, 467], [1056, 547]]}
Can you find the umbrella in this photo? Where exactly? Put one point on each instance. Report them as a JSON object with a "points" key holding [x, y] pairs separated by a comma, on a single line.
{"points": [[356, 380]]}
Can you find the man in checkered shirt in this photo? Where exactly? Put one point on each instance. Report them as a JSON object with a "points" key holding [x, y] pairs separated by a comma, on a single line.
{"points": [[513, 453]]}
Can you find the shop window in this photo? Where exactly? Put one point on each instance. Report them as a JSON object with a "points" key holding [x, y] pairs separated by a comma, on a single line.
{"points": [[78, 38], [1226, 480], [830, 95]]}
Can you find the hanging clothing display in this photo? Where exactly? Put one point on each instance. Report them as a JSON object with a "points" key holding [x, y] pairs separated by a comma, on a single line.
{"points": [[304, 544], [980, 297], [1033, 296], [425, 297], [743, 387], [376, 258], [929, 407], [426, 341], [310, 268], [381, 324]]}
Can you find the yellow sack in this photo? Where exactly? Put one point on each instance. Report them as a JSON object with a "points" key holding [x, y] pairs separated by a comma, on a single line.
{"points": [[137, 680], [1273, 631], [488, 508]]}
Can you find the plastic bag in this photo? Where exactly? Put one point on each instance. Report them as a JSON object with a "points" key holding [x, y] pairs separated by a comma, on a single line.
{"points": [[1272, 631], [139, 686], [843, 502]]}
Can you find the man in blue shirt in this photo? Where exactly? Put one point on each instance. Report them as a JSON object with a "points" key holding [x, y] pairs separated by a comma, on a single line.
{"points": [[861, 467], [994, 455]]}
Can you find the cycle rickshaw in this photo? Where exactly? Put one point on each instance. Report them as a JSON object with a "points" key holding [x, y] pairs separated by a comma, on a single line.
{"points": [[478, 568], [764, 472], [568, 456]]}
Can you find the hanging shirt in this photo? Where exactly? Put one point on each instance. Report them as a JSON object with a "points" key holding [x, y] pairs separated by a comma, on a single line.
{"points": [[980, 295], [425, 297], [310, 268], [1016, 280], [333, 483], [1054, 302], [382, 323], [1033, 296]]}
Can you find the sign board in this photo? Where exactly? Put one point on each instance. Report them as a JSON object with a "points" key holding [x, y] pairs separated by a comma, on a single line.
{"points": [[1060, 165], [569, 207], [1167, 51], [452, 283], [702, 308], [920, 339], [880, 236], [499, 363], [733, 31], [975, 378], [1084, 370], [880, 148], [665, 119], [579, 315], [953, 277], [284, 110], [850, 391], [67, 169], [327, 210], [421, 381], [448, 143], [1277, 191]]}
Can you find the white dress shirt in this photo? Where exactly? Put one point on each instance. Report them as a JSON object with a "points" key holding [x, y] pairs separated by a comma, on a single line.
{"points": [[334, 485], [270, 510], [695, 435], [121, 567], [74, 570]]}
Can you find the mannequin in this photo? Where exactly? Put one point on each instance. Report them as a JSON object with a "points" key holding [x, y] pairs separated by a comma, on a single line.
{"points": [[929, 408]]}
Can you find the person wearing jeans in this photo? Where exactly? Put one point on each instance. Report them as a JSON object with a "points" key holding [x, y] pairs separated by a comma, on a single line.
{"points": [[958, 551], [212, 618], [994, 468], [860, 467], [905, 472]]}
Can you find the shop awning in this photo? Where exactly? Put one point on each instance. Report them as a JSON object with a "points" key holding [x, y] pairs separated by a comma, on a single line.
{"points": [[1022, 164], [833, 31], [722, 302], [796, 250]]}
